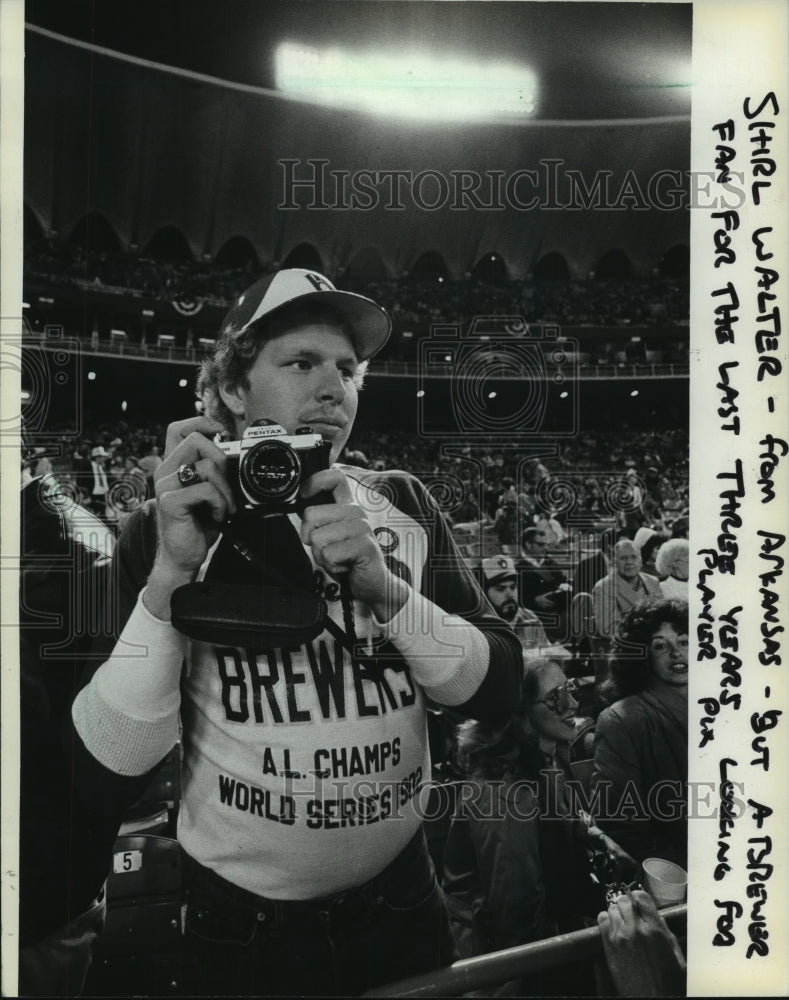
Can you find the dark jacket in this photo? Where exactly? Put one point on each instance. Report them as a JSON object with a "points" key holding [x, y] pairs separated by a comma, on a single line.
{"points": [[493, 869], [589, 570], [537, 577], [641, 753], [515, 869]]}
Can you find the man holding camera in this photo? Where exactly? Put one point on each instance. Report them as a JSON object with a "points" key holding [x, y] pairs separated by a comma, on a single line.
{"points": [[306, 866]]}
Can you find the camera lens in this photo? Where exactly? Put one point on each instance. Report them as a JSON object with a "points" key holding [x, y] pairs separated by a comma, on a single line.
{"points": [[270, 471]]}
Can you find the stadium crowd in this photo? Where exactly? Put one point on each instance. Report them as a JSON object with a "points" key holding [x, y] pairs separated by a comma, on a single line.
{"points": [[580, 482], [582, 555], [413, 300], [516, 533]]}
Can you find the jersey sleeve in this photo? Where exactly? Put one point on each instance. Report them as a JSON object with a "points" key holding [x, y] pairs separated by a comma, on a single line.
{"points": [[124, 721], [466, 658]]}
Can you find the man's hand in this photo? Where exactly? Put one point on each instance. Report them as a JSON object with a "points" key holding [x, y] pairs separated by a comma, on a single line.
{"points": [[342, 541], [643, 956], [619, 865], [188, 517]]}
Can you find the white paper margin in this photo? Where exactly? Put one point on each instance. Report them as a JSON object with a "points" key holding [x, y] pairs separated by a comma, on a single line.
{"points": [[739, 52]]}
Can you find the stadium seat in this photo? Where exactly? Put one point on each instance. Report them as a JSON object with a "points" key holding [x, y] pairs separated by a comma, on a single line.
{"points": [[156, 810], [152, 818], [582, 616], [581, 630], [482, 549], [165, 785], [139, 952]]}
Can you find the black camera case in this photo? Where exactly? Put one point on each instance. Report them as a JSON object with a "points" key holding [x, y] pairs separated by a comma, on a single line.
{"points": [[244, 615]]}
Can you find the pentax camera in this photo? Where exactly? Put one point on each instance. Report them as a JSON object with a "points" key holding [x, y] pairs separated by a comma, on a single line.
{"points": [[265, 470], [267, 466]]}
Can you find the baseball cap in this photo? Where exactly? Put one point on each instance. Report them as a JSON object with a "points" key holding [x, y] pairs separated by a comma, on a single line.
{"points": [[642, 536], [368, 322], [32, 455], [32, 452], [99, 452], [498, 568]]}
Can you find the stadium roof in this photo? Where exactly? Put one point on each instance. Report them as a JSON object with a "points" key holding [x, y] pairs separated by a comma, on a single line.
{"points": [[592, 60], [149, 148]]}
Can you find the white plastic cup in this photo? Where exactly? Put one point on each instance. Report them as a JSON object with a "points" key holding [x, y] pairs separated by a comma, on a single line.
{"points": [[667, 882]]}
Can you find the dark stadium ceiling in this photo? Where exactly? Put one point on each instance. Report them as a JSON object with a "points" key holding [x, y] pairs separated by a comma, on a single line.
{"points": [[593, 60]]}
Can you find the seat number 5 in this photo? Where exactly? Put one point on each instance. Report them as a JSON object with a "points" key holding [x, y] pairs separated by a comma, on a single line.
{"points": [[126, 861]]}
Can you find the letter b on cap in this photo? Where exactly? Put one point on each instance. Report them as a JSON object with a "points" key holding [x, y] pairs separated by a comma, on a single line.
{"points": [[320, 283]]}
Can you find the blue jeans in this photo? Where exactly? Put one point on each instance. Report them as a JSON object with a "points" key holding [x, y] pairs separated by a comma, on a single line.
{"points": [[240, 944]]}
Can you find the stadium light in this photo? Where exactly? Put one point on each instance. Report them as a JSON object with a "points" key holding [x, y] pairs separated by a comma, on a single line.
{"points": [[91, 376], [634, 392], [183, 383], [406, 85], [420, 394]]}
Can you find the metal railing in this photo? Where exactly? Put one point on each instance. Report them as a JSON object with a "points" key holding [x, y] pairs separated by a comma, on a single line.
{"points": [[176, 354], [514, 963]]}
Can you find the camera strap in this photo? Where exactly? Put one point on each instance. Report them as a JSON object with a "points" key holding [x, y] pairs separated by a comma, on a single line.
{"points": [[273, 574]]}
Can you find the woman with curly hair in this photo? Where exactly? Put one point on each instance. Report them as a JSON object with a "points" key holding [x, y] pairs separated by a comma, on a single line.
{"points": [[517, 859], [641, 740]]}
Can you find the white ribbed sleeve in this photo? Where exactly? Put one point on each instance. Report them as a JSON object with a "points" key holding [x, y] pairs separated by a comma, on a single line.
{"points": [[448, 656], [127, 716]]}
